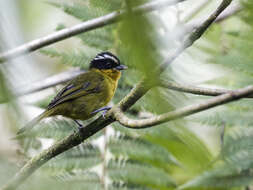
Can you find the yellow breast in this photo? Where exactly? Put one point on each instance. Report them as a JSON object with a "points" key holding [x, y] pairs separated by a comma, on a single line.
{"points": [[112, 76]]}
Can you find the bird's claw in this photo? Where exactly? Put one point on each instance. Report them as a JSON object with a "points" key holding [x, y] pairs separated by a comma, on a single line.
{"points": [[80, 126], [104, 109], [104, 113]]}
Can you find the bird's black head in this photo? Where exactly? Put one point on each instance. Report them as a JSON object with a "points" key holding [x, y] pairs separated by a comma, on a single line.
{"points": [[106, 60]]}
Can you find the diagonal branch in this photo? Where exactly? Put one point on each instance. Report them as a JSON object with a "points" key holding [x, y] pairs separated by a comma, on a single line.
{"points": [[232, 10], [189, 110], [46, 83], [77, 138], [196, 34], [49, 82], [195, 90], [80, 28], [67, 143], [235, 8]]}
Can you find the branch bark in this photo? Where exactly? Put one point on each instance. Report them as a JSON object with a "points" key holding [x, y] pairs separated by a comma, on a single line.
{"points": [[76, 138], [49, 82], [232, 10], [196, 34], [80, 28], [229, 12], [186, 111], [196, 90]]}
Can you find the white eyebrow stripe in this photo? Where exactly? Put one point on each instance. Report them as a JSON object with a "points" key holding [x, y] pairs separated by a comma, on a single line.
{"points": [[98, 58], [111, 57]]}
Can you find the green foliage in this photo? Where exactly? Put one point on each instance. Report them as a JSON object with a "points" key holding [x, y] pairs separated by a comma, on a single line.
{"points": [[143, 175], [7, 170], [80, 10], [73, 58], [79, 158], [175, 152]]}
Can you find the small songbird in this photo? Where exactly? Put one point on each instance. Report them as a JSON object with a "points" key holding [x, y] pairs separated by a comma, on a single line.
{"points": [[87, 94]]}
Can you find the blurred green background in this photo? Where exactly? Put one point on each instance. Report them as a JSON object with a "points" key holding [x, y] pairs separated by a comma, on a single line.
{"points": [[190, 153]]}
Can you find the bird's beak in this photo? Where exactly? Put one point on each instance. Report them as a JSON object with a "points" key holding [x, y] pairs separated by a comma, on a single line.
{"points": [[121, 67]]}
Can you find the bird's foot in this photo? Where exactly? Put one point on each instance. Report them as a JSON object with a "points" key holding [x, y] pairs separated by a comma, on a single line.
{"points": [[104, 113], [104, 109], [80, 126]]}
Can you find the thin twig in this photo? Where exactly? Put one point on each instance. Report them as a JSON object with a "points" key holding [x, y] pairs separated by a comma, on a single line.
{"points": [[186, 111], [80, 28], [195, 90], [49, 82], [196, 34], [234, 9], [230, 11], [76, 138]]}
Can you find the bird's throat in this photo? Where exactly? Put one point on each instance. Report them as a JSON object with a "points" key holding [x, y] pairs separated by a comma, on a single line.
{"points": [[113, 74]]}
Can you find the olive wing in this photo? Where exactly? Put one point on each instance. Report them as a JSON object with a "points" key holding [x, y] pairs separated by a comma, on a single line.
{"points": [[82, 85]]}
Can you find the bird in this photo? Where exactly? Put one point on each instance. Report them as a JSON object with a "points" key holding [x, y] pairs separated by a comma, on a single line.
{"points": [[87, 94]]}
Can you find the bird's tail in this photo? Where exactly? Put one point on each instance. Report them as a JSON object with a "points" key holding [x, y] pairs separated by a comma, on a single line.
{"points": [[33, 122]]}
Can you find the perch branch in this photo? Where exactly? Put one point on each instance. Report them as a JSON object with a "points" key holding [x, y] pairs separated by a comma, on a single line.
{"points": [[77, 138], [80, 28], [186, 111]]}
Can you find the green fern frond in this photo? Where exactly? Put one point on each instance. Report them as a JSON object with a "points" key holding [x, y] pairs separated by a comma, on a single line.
{"points": [[109, 7], [140, 150], [79, 10], [143, 175], [222, 178], [77, 58], [100, 38]]}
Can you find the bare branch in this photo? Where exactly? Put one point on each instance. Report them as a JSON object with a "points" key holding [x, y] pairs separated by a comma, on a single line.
{"points": [[229, 12], [189, 110], [77, 138], [232, 10], [80, 28], [196, 34], [46, 83], [196, 90], [49, 82]]}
